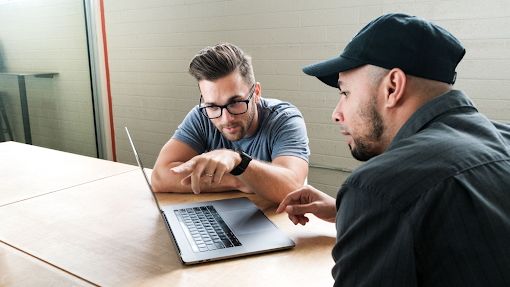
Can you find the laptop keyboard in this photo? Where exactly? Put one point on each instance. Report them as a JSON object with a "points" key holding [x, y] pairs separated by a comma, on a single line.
{"points": [[205, 229]]}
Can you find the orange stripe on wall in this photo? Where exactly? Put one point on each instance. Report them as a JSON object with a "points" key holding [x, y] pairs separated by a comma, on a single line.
{"points": [[108, 89]]}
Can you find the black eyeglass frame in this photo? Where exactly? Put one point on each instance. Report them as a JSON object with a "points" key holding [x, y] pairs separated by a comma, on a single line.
{"points": [[203, 110]]}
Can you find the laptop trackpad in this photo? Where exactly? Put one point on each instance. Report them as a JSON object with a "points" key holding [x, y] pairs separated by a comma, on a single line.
{"points": [[247, 221]]}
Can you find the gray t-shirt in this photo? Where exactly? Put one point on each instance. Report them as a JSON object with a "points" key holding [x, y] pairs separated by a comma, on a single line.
{"points": [[281, 131]]}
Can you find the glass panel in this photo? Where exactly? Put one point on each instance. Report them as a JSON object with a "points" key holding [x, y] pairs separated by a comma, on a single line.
{"points": [[45, 84]]}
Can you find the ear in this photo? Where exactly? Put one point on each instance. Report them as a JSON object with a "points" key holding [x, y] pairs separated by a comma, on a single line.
{"points": [[394, 86], [258, 92]]}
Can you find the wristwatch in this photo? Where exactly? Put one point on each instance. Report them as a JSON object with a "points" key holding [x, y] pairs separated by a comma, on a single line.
{"points": [[243, 165]]}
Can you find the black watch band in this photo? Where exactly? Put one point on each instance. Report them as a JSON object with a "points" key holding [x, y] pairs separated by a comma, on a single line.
{"points": [[243, 165]]}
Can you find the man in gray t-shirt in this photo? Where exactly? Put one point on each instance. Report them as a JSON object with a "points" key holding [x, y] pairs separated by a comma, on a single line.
{"points": [[235, 139]]}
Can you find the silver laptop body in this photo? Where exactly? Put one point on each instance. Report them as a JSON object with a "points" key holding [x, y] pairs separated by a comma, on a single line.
{"points": [[220, 229]]}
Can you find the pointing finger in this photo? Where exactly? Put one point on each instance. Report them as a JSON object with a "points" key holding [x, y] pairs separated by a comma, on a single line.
{"points": [[186, 167], [291, 197]]}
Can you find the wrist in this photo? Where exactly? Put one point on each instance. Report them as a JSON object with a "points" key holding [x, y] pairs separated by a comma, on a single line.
{"points": [[237, 158], [242, 164]]}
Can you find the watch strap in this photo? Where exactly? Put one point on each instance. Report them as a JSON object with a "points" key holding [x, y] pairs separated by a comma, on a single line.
{"points": [[243, 165]]}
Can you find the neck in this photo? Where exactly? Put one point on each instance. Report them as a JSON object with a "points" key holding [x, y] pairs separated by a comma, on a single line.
{"points": [[417, 93], [254, 123]]}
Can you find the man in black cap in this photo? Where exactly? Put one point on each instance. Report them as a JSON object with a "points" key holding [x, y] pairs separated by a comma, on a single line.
{"points": [[431, 205]]}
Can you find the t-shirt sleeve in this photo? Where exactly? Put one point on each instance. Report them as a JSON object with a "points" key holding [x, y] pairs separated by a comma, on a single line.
{"points": [[193, 131], [290, 137]]}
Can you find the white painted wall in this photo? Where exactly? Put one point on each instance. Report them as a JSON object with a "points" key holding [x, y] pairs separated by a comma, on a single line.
{"points": [[152, 41]]}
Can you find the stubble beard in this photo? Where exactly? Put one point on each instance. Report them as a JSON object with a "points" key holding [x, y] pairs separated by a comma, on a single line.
{"points": [[243, 128], [363, 150]]}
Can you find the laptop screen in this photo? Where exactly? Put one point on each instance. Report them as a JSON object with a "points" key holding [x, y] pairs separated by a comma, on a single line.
{"points": [[140, 164]]}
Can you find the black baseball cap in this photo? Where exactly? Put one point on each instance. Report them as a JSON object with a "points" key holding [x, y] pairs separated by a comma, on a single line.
{"points": [[416, 46]]}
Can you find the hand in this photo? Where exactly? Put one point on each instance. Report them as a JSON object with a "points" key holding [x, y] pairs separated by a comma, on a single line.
{"points": [[207, 168], [307, 199]]}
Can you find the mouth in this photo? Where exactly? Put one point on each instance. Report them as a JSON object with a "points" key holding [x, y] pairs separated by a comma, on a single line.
{"points": [[230, 129], [348, 136]]}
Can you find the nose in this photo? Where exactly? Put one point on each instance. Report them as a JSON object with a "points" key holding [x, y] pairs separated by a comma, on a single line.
{"points": [[338, 115], [226, 115]]}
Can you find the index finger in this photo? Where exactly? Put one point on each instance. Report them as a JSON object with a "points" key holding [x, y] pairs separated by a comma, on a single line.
{"points": [[186, 167], [291, 197]]}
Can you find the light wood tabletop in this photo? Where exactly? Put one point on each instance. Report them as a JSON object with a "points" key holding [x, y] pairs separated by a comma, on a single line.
{"points": [[27, 171], [109, 232], [20, 269]]}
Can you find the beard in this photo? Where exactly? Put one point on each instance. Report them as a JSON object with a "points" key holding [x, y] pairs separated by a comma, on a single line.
{"points": [[243, 126], [363, 149]]}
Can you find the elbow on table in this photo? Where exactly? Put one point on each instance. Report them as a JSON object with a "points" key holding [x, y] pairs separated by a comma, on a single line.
{"points": [[156, 182]]}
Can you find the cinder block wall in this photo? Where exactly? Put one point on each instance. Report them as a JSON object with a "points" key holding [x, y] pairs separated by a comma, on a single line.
{"points": [[152, 41]]}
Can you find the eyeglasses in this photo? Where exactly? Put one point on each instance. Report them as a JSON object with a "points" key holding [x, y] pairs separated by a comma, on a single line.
{"points": [[234, 107]]}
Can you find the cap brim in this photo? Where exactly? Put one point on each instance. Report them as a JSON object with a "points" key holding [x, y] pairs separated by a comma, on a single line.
{"points": [[327, 71]]}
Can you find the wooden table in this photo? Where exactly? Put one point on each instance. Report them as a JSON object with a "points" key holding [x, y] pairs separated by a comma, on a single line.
{"points": [[109, 232], [28, 171], [20, 269]]}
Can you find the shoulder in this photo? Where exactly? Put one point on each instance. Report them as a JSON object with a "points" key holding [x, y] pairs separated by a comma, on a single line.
{"points": [[427, 159], [279, 116], [195, 113], [401, 175], [196, 119], [275, 107], [197, 131]]}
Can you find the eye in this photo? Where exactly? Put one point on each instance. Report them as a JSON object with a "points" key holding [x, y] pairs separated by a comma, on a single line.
{"points": [[212, 108], [235, 104], [344, 93]]}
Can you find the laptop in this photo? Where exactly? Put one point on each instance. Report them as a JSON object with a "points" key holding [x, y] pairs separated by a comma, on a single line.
{"points": [[214, 230]]}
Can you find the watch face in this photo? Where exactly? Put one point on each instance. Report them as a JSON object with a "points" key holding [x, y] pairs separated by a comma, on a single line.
{"points": [[243, 154]]}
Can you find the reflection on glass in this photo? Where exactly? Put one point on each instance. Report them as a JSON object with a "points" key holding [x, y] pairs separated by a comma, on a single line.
{"points": [[47, 37]]}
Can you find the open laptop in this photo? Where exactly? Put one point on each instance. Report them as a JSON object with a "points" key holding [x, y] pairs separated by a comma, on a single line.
{"points": [[220, 229]]}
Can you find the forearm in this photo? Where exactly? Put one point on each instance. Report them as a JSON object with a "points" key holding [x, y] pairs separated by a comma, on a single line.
{"points": [[164, 180], [270, 181]]}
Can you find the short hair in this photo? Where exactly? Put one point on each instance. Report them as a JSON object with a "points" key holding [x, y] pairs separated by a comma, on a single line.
{"points": [[212, 63]]}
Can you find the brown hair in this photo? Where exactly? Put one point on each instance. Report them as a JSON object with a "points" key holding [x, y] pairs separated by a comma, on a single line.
{"points": [[212, 63]]}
